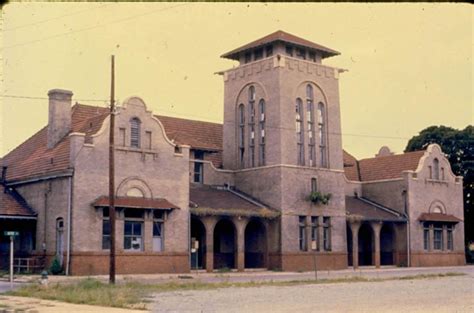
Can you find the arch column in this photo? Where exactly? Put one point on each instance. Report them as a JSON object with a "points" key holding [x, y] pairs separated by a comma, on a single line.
{"points": [[355, 243], [209, 223], [240, 224], [376, 227]]}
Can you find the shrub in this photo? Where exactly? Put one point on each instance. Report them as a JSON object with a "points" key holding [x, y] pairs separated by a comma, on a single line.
{"points": [[55, 267], [319, 197]]}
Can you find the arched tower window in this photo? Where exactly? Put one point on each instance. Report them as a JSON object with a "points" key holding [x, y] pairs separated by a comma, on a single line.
{"points": [[436, 169], [135, 132], [60, 239], [241, 134], [252, 126], [322, 134], [299, 131], [261, 126], [310, 122]]}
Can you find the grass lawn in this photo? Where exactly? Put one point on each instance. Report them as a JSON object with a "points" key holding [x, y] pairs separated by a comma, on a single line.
{"points": [[135, 295]]}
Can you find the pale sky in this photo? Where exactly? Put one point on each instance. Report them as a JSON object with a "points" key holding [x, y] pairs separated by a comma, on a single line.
{"points": [[409, 65]]}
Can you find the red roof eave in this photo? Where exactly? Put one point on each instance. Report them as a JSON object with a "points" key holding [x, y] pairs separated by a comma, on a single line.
{"points": [[439, 217], [136, 203]]}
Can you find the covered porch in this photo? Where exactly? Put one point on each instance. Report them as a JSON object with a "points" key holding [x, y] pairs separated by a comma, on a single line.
{"points": [[376, 235], [229, 230], [17, 216]]}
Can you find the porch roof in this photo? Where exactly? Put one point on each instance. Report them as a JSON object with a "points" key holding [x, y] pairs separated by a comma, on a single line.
{"points": [[207, 200], [13, 206], [366, 210], [438, 217], [135, 203]]}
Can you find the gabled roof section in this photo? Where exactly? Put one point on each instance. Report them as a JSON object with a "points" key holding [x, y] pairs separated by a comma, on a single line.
{"points": [[366, 210], [282, 37], [388, 167], [33, 158], [13, 205], [197, 134], [351, 166], [381, 167], [207, 200]]}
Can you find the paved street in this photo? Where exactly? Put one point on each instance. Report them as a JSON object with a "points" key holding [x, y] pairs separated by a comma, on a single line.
{"points": [[446, 294], [5, 286]]}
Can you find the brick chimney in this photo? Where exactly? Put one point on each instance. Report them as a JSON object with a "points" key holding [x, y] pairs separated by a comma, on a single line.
{"points": [[59, 123]]}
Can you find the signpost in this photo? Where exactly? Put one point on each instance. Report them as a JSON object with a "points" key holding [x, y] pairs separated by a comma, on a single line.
{"points": [[12, 235], [314, 247]]}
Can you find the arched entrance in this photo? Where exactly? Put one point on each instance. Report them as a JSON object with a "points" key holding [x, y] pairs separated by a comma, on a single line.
{"points": [[198, 239], [255, 245], [386, 245], [224, 244], [349, 245], [366, 245]]}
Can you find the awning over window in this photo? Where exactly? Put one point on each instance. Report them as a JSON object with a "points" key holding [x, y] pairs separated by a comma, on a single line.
{"points": [[13, 206], [438, 217], [136, 203]]}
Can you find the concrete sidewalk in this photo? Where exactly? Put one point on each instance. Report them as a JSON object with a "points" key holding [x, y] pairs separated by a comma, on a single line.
{"points": [[264, 275], [9, 304]]}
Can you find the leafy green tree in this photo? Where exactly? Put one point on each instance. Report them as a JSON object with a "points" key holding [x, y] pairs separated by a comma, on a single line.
{"points": [[458, 145]]}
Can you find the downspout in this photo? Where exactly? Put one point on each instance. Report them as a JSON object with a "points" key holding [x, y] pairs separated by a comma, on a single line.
{"points": [[69, 212], [407, 213]]}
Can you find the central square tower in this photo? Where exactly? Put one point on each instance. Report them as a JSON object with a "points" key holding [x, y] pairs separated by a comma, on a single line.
{"points": [[281, 105]]}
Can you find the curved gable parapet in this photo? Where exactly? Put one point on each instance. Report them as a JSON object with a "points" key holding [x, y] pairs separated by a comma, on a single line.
{"points": [[135, 101], [426, 163]]}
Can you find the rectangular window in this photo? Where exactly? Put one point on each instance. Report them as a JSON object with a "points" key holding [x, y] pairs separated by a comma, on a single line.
{"points": [[105, 234], [302, 233], [269, 51], [133, 239], [438, 238], [426, 236], [148, 139], [289, 50], [449, 230], [312, 56], [314, 184], [327, 233], [248, 57], [198, 166], [258, 54], [314, 233], [122, 137], [158, 233], [301, 53]]}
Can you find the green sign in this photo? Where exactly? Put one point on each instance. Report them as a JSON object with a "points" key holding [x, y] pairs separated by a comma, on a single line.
{"points": [[11, 233]]}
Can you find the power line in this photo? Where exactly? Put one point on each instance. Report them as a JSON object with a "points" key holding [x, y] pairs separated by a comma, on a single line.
{"points": [[52, 19], [45, 98], [92, 27], [267, 126]]}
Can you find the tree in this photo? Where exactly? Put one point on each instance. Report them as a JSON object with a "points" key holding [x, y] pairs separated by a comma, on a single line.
{"points": [[458, 145]]}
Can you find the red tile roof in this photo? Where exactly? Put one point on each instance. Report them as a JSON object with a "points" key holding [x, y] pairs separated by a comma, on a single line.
{"points": [[33, 158], [438, 217], [367, 210], [135, 202], [197, 134], [351, 168], [387, 167], [284, 37], [382, 167], [207, 200], [13, 205]]}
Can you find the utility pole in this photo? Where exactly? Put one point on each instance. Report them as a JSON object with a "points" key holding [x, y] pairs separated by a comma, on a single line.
{"points": [[112, 178]]}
